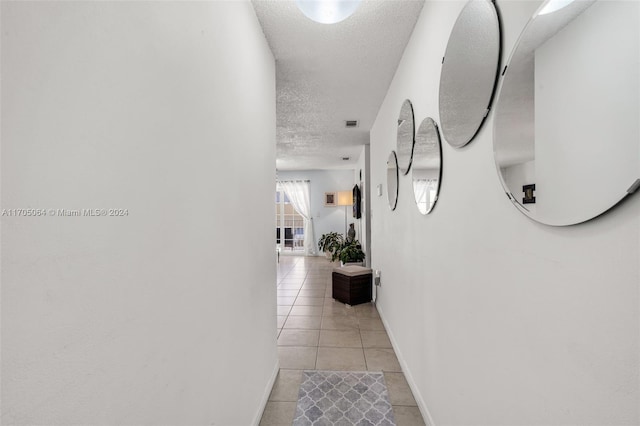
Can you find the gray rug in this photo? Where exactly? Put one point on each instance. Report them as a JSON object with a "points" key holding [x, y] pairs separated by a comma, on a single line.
{"points": [[343, 398]]}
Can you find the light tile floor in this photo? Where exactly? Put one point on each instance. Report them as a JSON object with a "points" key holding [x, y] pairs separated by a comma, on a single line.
{"points": [[317, 333]]}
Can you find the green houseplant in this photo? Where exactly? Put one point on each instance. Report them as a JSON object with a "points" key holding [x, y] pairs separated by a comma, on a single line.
{"points": [[351, 252], [330, 244]]}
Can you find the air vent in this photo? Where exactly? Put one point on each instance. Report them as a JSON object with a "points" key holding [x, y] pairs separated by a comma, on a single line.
{"points": [[346, 158], [351, 123]]}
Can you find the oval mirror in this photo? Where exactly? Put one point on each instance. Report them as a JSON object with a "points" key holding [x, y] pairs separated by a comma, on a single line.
{"points": [[427, 166], [469, 72], [392, 180], [566, 128], [406, 137]]}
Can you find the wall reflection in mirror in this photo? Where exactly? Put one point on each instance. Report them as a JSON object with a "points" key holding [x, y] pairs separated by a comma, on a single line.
{"points": [[566, 119], [392, 180], [405, 141], [426, 171]]}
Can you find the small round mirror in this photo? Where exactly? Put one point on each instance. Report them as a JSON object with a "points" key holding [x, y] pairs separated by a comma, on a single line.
{"points": [[406, 138], [566, 134], [392, 180], [427, 166], [469, 72]]}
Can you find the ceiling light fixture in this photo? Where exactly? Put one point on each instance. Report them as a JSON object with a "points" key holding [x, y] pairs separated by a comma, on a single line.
{"points": [[328, 11], [553, 5]]}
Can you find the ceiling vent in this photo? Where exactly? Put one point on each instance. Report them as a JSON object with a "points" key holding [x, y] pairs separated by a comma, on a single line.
{"points": [[351, 123]]}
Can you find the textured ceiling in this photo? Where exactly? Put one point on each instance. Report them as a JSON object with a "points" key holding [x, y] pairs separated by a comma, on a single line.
{"points": [[326, 74]]}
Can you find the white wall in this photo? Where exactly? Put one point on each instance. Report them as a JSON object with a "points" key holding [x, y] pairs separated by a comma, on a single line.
{"points": [[325, 219], [498, 319], [151, 318]]}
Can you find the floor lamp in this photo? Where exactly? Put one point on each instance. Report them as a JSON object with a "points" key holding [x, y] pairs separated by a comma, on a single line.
{"points": [[345, 198]]}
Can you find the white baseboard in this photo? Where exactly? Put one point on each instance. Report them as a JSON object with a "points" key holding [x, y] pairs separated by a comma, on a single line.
{"points": [[422, 405], [265, 396]]}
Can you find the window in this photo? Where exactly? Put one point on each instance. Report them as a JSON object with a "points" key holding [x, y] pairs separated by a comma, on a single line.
{"points": [[289, 225]]}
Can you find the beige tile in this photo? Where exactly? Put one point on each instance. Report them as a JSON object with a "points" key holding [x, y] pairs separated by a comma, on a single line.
{"points": [[286, 386], [339, 323], [298, 337], [334, 308], [309, 301], [284, 301], [370, 324], [291, 285], [306, 310], [278, 413], [340, 338], [340, 359], [381, 360], [399, 390], [375, 339], [292, 281], [297, 357], [287, 293], [303, 322], [281, 320], [367, 310], [314, 286], [311, 293], [284, 309], [315, 281], [407, 416], [330, 301]]}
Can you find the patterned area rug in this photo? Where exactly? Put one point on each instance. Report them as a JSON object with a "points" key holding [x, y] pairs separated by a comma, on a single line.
{"points": [[343, 398]]}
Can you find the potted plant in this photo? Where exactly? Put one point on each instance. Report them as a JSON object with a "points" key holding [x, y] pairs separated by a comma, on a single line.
{"points": [[330, 244], [351, 252]]}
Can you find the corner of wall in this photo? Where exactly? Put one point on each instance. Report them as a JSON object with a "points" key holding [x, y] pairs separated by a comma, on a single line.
{"points": [[265, 395], [422, 404]]}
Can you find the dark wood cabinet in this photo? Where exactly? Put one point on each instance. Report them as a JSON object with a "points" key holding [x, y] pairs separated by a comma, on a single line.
{"points": [[352, 286]]}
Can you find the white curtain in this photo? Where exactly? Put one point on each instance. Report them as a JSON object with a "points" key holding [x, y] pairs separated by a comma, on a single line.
{"points": [[425, 191], [298, 193]]}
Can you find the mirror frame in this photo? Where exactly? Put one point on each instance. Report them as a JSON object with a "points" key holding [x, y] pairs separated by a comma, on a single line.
{"points": [[448, 98], [393, 157], [429, 123], [623, 195], [401, 159]]}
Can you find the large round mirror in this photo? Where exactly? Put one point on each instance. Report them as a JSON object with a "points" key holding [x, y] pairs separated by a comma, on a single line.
{"points": [[426, 171], [469, 72], [566, 126], [406, 132], [392, 180]]}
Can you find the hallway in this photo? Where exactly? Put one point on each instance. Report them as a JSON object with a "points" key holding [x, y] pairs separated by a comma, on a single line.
{"points": [[317, 333]]}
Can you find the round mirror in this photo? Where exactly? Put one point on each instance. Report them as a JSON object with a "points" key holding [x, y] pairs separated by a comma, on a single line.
{"points": [[392, 180], [566, 129], [427, 166], [469, 72], [406, 132]]}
